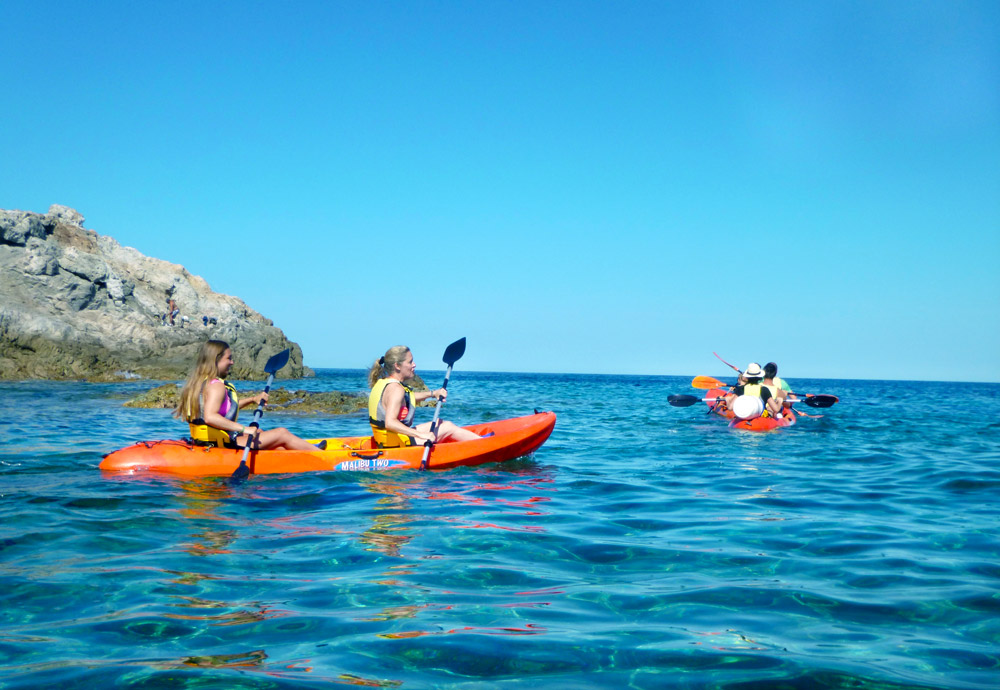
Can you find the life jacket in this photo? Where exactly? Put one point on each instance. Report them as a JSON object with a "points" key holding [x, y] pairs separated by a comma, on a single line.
{"points": [[782, 384], [200, 431], [755, 389], [376, 415]]}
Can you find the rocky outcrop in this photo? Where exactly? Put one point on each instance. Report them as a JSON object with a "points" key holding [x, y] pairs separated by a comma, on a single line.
{"points": [[75, 304], [279, 399], [168, 396]]}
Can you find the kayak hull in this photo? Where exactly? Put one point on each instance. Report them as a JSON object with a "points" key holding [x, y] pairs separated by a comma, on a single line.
{"points": [[715, 403], [512, 438]]}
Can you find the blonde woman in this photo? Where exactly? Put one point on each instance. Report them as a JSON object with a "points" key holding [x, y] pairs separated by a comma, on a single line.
{"points": [[391, 404], [210, 405]]}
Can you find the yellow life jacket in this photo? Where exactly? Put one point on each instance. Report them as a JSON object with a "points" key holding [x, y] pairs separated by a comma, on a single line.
{"points": [[376, 415], [200, 431], [754, 389]]}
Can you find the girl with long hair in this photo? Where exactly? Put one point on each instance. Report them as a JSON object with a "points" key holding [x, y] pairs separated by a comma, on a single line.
{"points": [[210, 405]]}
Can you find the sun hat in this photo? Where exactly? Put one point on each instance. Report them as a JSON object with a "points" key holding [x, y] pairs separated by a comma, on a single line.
{"points": [[753, 371]]}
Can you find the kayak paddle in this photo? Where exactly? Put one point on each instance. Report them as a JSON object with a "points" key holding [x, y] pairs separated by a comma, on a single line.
{"points": [[687, 400], [271, 368], [707, 382], [737, 370], [815, 400], [810, 400], [452, 354]]}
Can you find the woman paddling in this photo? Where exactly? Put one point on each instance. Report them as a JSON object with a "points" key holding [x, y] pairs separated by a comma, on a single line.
{"points": [[391, 404], [210, 405]]}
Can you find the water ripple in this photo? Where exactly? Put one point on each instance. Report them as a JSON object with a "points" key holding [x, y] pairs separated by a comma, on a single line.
{"points": [[858, 549]]}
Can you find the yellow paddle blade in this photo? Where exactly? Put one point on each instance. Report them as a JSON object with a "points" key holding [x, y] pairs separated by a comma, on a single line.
{"points": [[707, 382]]}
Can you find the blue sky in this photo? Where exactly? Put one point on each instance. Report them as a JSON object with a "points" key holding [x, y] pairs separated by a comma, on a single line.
{"points": [[616, 187]]}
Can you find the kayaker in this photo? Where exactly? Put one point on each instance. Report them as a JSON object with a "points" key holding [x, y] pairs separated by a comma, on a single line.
{"points": [[753, 388], [392, 404], [780, 383], [772, 383], [210, 405]]}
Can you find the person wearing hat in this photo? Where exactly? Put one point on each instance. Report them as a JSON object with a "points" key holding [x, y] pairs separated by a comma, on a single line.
{"points": [[770, 405]]}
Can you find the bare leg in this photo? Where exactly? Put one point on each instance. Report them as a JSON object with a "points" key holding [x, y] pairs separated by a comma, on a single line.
{"points": [[279, 438], [448, 431]]}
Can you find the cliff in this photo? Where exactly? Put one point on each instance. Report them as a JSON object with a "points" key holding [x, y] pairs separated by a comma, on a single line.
{"points": [[75, 304]]}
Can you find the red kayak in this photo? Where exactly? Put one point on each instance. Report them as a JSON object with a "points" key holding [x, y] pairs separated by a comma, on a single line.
{"points": [[718, 405], [511, 438]]}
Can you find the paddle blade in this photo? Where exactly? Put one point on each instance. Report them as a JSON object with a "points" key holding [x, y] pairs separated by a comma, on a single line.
{"points": [[820, 400], [707, 382], [276, 362], [682, 400], [454, 352], [240, 473]]}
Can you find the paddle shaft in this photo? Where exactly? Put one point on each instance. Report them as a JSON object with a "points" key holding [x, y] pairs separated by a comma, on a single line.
{"points": [[736, 369], [257, 414], [810, 400], [707, 383], [434, 422]]}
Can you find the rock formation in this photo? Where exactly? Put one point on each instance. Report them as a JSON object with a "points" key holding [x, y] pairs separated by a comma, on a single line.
{"points": [[168, 396], [75, 304]]}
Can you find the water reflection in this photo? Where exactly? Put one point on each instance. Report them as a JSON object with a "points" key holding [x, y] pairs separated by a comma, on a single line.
{"points": [[200, 499], [246, 537], [389, 531], [256, 613], [485, 500]]}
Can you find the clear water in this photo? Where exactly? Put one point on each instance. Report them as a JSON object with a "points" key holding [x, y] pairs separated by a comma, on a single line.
{"points": [[642, 546]]}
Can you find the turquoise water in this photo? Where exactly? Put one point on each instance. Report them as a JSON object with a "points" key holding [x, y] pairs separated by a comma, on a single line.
{"points": [[642, 546]]}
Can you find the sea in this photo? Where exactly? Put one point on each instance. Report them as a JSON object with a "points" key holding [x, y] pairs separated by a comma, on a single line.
{"points": [[642, 546]]}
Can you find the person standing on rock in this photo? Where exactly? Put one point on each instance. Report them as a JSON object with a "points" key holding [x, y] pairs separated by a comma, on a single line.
{"points": [[210, 405], [172, 309]]}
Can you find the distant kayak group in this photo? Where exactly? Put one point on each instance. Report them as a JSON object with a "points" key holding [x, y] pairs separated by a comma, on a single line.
{"points": [[220, 445], [759, 401]]}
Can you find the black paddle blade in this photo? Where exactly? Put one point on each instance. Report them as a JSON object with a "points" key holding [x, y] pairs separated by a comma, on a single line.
{"points": [[454, 352], [240, 473], [276, 362], [682, 400], [820, 400]]}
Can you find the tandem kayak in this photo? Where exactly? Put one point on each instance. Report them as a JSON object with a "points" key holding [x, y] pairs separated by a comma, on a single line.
{"points": [[715, 400], [512, 438]]}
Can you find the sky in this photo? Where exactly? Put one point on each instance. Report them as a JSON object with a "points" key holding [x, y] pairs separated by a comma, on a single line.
{"points": [[577, 187]]}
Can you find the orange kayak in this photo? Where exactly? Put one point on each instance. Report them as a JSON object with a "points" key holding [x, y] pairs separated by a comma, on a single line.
{"points": [[512, 438], [718, 406]]}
